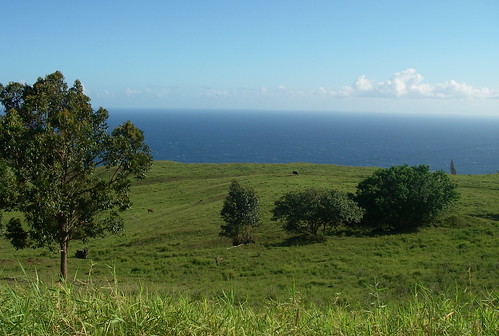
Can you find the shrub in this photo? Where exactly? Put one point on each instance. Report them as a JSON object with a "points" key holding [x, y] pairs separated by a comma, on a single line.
{"points": [[240, 213], [403, 197], [315, 211]]}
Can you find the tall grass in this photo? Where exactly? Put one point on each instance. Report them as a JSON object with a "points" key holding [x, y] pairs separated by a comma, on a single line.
{"points": [[89, 309]]}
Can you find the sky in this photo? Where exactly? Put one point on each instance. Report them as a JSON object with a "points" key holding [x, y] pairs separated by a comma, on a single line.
{"points": [[431, 57]]}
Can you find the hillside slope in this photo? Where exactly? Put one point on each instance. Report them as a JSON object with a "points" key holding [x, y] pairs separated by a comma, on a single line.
{"points": [[176, 247]]}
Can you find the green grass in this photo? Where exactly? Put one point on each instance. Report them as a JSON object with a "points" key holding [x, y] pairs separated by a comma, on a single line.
{"points": [[176, 251], [66, 309]]}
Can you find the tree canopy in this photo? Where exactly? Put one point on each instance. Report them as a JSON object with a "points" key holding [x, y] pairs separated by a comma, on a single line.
{"points": [[452, 168], [61, 167], [403, 197], [240, 212], [315, 211]]}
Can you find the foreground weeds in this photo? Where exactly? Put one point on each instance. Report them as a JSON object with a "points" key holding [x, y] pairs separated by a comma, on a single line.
{"points": [[88, 309]]}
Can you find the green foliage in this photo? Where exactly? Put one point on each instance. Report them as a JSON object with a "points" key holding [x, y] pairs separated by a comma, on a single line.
{"points": [[403, 197], [16, 234], [240, 212], [113, 310], [315, 211], [51, 144], [452, 168]]}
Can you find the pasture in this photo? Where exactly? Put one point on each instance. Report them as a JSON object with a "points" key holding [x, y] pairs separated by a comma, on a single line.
{"points": [[171, 244]]}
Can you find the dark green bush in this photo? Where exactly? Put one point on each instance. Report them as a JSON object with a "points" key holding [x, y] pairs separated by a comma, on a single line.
{"points": [[240, 212], [405, 198], [315, 212]]}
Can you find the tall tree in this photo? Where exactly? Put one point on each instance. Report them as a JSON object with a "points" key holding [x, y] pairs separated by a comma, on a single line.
{"points": [[240, 212], [62, 168], [452, 168]]}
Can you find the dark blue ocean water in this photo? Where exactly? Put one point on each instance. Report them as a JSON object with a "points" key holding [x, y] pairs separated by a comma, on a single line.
{"points": [[353, 139]]}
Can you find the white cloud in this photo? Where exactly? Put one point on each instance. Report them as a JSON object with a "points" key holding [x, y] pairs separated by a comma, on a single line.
{"points": [[278, 91], [217, 93], [103, 93], [400, 86], [131, 92], [362, 84], [409, 83], [455, 89], [151, 92]]}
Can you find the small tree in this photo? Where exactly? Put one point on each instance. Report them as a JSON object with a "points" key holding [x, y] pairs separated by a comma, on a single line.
{"points": [[240, 212], [403, 197], [61, 168], [452, 168], [315, 211]]}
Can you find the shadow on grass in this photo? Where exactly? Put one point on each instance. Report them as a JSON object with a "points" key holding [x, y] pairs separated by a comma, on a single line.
{"points": [[300, 240], [366, 231], [490, 216], [369, 231], [389, 232]]}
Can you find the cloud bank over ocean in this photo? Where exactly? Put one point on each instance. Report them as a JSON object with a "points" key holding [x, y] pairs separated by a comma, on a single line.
{"points": [[409, 83], [404, 84]]}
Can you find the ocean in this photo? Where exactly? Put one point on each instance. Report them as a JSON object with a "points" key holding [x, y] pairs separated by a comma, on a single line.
{"points": [[351, 139]]}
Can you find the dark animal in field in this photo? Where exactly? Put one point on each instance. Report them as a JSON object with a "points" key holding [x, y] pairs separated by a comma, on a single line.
{"points": [[82, 254], [295, 172], [241, 241], [150, 210]]}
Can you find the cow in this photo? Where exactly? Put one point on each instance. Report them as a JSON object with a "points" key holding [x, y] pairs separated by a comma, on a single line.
{"points": [[82, 254]]}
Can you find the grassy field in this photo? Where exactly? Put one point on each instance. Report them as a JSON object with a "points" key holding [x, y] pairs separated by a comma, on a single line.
{"points": [[175, 250], [65, 309]]}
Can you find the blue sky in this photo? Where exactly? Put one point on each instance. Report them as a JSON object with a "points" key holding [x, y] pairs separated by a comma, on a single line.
{"points": [[383, 56]]}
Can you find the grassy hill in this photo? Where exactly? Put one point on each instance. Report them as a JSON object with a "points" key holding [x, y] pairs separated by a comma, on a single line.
{"points": [[176, 249]]}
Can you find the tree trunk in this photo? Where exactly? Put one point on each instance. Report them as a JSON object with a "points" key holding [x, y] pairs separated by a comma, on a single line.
{"points": [[64, 257]]}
